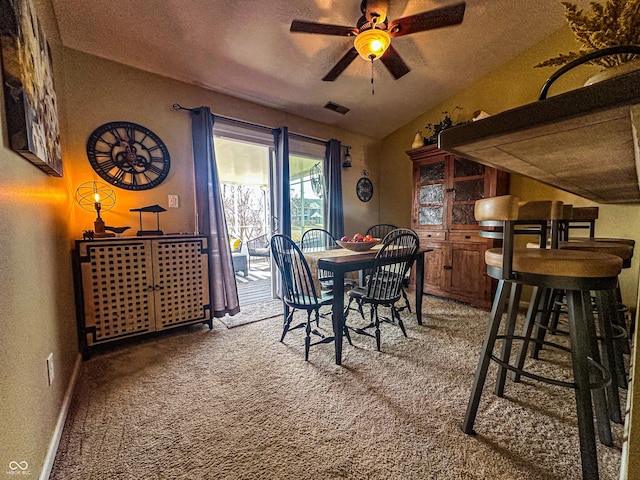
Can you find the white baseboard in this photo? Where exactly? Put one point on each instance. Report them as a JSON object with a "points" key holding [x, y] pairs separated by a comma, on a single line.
{"points": [[62, 416], [628, 414]]}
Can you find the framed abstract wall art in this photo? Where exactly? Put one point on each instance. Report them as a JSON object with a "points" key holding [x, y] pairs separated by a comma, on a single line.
{"points": [[27, 80]]}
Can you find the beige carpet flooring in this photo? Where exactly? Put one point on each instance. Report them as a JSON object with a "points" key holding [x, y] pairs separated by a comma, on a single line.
{"points": [[238, 404], [254, 313]]}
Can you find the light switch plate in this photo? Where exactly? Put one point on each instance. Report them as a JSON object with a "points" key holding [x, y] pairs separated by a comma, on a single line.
{"points": [[50, 371], [173, 201]]}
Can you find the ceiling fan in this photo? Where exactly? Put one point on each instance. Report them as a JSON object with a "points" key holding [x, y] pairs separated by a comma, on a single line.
{"points": [[374, 32]]}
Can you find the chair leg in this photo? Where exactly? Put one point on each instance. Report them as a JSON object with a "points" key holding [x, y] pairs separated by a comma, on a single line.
{"points": [[360, 308], [287, 324], [512, 315], [345, 312], [307, 340], [374, 313], [598, 395], [620, 320], [527, 330], [580, 351], [556, 306], [406, 299], [497, 310], [605, 302], [345, 331], [543, 323], [396, 314]]}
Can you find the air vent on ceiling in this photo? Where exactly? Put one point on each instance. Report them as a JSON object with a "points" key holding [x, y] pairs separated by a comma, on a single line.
{"points": [[336, 108]]}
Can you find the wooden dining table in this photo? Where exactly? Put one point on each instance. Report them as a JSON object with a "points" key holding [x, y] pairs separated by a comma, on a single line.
{"points": [[340, 261]]}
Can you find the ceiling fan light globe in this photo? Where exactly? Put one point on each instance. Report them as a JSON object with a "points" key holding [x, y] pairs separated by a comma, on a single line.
{"points": [[371, 44]]}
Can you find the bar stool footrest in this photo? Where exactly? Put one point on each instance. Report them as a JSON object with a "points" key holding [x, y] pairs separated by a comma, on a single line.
{"points": [[603, 383]]}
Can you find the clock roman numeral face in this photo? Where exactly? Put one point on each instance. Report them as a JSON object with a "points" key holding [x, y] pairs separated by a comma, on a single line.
{"points": [[128, 155]]}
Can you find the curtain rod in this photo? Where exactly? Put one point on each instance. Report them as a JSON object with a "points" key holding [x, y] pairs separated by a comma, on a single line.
{"points": [[178, 107]]}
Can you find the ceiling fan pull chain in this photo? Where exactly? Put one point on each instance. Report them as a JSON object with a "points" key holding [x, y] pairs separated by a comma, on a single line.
{"points": [[372, 91]]}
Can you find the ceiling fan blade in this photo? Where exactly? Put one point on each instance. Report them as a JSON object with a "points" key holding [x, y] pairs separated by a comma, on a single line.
{"points": [[342, 64], [322, 28], [440, 17], [394, 63]]}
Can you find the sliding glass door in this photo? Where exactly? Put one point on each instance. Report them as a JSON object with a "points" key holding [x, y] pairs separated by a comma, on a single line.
{"points": [[244, 156], [252, 180], [307, 188]]}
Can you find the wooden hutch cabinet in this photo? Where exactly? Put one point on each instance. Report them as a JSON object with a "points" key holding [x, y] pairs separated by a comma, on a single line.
{"points": [[445, 189], [132, 286]]}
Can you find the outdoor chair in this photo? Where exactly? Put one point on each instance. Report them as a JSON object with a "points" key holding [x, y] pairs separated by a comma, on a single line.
{"points": [[239, 259], [298, 290], [384, 284], [258, 247]]}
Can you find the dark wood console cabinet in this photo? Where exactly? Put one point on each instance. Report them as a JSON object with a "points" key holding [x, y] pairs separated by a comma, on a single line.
{"points": [[445, 188], [137, 285]]}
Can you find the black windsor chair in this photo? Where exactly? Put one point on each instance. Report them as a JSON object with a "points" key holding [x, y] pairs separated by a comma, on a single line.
{"points": [[317, 239], [298, 290], [384, 284]]}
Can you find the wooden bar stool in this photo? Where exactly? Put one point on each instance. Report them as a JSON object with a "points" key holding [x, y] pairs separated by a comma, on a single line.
{"points": [[611, 301], [622, 247], [607, 303], [580, 219], [612, 334], [585, 218], [576, 272]]}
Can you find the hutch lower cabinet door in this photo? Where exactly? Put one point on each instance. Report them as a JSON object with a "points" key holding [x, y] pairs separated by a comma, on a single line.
{"points": [[457, 270], [132, 286]]}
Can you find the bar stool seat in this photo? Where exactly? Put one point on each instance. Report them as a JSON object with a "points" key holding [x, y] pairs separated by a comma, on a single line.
{"points": [[626, 241], [622, 250], [568, 263]]}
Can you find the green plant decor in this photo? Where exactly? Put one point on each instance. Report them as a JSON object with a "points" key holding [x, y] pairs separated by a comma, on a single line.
{"points": [[443, 124], [617, 22]]}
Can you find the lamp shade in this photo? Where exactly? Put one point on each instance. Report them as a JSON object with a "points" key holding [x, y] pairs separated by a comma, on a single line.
{"points": [[88, 194], [371, 44]]}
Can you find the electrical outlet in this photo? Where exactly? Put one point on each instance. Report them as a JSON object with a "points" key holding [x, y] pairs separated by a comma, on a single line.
{"points": [[50, 370], [173, 201]]}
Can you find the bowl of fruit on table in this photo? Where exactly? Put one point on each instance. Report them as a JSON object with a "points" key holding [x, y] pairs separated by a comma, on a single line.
{"points": [[358, 243]]}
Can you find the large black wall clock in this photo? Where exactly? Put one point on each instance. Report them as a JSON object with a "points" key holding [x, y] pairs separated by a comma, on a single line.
{"points": [[364, 189], [128, 155]]}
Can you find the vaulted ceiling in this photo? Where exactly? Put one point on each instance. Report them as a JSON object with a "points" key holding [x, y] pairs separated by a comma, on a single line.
{"points": [[244, 48]]}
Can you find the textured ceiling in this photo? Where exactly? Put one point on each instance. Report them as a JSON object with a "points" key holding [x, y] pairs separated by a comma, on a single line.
{"points": [[245, 49]]}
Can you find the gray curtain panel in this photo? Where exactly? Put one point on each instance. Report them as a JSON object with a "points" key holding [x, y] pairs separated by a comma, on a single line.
{"points": [[283, 179], [334, 212], [211, 219]]}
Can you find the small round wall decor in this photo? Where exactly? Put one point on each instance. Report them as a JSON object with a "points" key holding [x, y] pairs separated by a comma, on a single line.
{"points": [[364, 189], [128, 155]]}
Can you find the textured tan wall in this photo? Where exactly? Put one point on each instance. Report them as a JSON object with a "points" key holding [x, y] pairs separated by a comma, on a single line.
{"points": [[102, 91], [37, 293]]}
